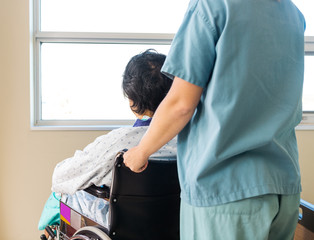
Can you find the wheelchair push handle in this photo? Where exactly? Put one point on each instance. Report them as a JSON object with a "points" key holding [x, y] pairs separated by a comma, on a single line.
{"points": [[119, 158], [119, 161]]}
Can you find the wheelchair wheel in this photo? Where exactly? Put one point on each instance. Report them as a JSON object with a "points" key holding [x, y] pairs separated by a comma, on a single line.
{"points": [[90, 233]]}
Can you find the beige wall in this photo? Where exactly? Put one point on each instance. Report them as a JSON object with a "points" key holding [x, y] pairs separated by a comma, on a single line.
{"points": [[306, 153], [28, 157]]}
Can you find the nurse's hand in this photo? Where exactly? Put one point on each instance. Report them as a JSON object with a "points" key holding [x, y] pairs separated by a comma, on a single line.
{"points": [[135, 159]]}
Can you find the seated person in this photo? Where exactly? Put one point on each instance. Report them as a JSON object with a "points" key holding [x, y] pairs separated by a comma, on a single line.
{"points": [[145, 87]]}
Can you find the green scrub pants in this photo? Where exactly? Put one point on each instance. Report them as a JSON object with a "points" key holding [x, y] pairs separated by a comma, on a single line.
{"points": [[271, 217]]}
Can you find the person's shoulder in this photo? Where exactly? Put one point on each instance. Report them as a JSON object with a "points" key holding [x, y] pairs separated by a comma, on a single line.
{"points": [[211, 4], [124, 131], [213, 12], [120, 133]]}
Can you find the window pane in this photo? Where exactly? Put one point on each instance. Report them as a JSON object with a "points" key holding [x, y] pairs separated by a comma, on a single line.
{"points": [[145, 16], [308, 88], [307, 7], [83, 81]]}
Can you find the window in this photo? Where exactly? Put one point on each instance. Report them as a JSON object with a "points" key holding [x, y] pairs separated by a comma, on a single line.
{"points": [[306, 8], [80, 50]]}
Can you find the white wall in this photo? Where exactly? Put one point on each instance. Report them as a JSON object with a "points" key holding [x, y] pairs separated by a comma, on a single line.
{"points": [[28, 157]]}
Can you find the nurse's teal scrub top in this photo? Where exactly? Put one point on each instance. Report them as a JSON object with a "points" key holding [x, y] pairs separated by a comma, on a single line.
{"points": [[248, 56]]}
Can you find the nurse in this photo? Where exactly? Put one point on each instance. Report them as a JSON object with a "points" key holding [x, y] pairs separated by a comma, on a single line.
{"points": [[235, 101]]}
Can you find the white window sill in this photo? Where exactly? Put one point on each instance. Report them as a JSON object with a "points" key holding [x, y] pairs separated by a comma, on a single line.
{"points": [[305, 127]]}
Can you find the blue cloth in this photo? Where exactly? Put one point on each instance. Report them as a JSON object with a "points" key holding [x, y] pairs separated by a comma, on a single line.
{"points": [[142, 123], [96, 209], [249, 58], [51, 213]]}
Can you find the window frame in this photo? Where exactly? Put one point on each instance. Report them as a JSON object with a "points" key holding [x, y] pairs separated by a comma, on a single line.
{"points": [[307, 122], [40, 37]]}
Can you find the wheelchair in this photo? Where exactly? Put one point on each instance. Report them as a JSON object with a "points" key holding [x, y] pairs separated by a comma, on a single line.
{"points": [[142, 206], [305, 227]]}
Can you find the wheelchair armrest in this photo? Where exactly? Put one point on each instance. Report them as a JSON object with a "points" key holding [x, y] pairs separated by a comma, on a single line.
{"points": [[100, 192]]}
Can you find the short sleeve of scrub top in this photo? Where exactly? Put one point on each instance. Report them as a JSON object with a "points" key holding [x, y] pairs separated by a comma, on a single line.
{"points": [[194, 51]]}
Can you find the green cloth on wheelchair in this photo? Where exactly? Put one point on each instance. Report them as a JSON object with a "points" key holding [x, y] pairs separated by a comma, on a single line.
{"points": [[51, 213]]}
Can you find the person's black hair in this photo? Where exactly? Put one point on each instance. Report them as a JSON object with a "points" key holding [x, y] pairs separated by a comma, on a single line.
{"points": [[143, 83]]}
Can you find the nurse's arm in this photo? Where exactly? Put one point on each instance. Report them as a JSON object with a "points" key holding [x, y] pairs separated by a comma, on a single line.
{"points": [[172, 115]]}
